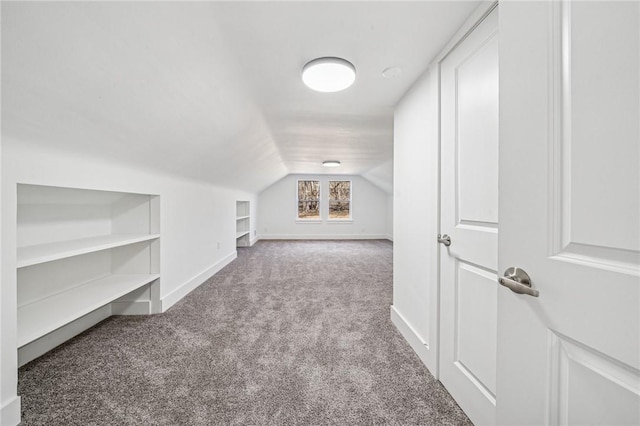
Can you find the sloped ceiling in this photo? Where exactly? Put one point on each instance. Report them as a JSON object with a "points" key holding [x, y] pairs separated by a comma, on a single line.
{"points": [[212, 90]]}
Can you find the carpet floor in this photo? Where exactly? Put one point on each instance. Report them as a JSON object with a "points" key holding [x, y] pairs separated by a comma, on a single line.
{"points": [[290, 333]]}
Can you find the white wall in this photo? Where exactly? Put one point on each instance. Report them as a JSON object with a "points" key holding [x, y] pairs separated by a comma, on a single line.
{"points": [[194, 217], [390, 217], [277, 211], [9, 402], [253, 220], [415, 250]]}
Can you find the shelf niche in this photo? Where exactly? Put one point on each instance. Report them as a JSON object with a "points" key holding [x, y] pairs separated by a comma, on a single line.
{"points": [[243, 224], [82, 256]]}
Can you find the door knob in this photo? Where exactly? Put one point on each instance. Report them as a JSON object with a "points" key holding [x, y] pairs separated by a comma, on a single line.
{"points": [[444, 239], [518, 281]]}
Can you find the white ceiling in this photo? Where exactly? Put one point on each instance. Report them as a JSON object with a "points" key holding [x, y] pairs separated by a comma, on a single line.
{"points": [[212, 90]]}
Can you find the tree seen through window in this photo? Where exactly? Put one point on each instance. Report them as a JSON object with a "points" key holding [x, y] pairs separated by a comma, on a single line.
{"points": [[339, 199], [308, 199]]}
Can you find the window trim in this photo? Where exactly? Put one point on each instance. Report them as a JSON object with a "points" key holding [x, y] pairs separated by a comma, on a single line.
{"points": [[310, 220], [340, 220]]}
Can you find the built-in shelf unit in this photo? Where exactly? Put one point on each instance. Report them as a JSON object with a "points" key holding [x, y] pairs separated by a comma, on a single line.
{"points": [[243, 222], [82, 255]]}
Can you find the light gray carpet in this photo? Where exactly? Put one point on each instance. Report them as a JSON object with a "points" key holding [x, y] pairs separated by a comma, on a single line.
{"points": [[290, 333]]}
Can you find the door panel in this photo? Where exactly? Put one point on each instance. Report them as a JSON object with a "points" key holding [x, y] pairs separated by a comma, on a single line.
{"points": [[475, 324], [589, 387], [601, 125], [469, 214], [569, 213], [476, 87], [597, 149]]}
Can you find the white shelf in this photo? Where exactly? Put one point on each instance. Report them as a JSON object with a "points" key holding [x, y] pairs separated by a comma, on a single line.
{"points": [[33, 255], [243, 223], [44, 316]]}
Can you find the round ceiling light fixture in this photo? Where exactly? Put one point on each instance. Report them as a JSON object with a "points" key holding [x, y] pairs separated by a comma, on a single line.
{"points": [[331, 163], [328, 74]]}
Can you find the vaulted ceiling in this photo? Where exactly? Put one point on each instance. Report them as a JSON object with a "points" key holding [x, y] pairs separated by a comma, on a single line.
{"points": [[212, 90]]}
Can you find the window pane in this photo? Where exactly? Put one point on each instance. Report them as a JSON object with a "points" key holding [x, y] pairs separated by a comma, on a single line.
{"points": [[308, 210], [340, 190], [339, 199], [308, 199], [308, 190], [339, 210]]}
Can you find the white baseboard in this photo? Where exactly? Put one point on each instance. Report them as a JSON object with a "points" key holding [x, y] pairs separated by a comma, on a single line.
{"points": [[40, 346], [170, 299], [390, 237], [417, 343], [10, 412], [323, 237], [253, 241], [134, 307]]}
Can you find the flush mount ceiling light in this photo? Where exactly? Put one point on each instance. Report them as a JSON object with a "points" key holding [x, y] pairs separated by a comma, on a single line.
{"points": [[328, 74], [331, 163]]}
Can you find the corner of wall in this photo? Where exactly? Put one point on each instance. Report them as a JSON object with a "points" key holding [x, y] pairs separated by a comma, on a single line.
{"points": [[9, 400], [419, 346], [10, 412], [390, 217]]}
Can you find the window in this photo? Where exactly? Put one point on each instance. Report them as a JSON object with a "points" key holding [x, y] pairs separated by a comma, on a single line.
{"points": [[339, 199], [308, 199]]}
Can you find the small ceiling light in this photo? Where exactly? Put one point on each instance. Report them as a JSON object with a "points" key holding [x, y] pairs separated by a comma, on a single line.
{"points": [[331, 163], [328, 74], [391, 72]]}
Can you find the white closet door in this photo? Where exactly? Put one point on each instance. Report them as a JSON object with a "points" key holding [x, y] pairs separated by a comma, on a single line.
{"points": [[469, 216]]}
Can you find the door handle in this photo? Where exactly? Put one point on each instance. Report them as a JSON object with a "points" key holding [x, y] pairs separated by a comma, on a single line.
{"points": [[444, 239], [518, 281]]}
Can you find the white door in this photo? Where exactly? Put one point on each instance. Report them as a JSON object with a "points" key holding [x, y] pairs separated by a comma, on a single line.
{"points": [[469, 216], [569, 213]]}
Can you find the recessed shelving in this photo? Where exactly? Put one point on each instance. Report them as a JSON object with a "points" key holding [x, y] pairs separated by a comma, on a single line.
{"points": [[243, 224], [82, 255]]}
